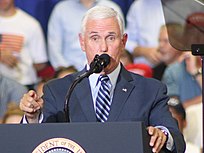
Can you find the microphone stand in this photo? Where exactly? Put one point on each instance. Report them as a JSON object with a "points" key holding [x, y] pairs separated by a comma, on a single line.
{"points": [[95, 67], [76, 81]]}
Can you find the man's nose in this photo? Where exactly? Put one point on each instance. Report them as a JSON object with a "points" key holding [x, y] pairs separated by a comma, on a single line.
{"points": [[104, 46]]}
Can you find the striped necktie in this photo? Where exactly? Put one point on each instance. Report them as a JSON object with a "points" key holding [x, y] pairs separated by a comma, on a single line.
{"points": [[103, 99]]}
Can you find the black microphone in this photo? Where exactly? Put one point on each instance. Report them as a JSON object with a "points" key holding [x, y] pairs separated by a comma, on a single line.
{"points": [[96, 66], [99, 63]]}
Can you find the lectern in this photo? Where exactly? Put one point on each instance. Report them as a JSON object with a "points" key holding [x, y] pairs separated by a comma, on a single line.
{"points": [[116, 137]]}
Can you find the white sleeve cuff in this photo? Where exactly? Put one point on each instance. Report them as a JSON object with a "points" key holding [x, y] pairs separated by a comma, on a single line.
{"points": [[170, 141], [25, 121]]}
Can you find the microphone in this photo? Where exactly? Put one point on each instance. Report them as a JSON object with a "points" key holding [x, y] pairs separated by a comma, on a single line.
{"points": [[99, 63], [96, 66]]}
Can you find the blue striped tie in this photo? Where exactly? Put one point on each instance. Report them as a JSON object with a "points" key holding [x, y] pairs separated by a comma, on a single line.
{"points": [[103, 99]]}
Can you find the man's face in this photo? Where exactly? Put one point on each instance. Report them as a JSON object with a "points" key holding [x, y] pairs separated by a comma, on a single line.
{"points": [[6, 4], [167, 51], [103, 36]]}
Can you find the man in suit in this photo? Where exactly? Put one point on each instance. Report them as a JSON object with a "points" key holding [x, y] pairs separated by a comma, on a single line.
{"points": [[132, 97]]}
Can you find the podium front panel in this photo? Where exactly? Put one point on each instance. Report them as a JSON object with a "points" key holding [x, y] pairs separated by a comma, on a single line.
{"points": [[115, 137]]}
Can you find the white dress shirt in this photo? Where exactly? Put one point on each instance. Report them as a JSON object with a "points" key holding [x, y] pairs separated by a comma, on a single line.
{"points": [[144, 20]]}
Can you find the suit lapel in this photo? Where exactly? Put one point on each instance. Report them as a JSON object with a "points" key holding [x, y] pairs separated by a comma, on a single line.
{"points": [[122, 91], [83, 93]]}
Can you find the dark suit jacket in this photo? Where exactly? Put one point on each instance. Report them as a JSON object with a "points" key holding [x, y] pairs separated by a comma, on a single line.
{"points": [[135, 99]]}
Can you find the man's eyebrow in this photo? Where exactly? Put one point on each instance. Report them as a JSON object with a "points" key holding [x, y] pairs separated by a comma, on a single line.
{"points": [[112, 33], [93, 32]]}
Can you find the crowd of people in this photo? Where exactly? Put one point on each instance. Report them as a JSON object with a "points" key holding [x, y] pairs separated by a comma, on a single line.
{"points": [[37, 47]]}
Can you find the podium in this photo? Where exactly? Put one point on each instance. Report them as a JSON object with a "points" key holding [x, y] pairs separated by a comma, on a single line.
{"points": [[110, 137]]}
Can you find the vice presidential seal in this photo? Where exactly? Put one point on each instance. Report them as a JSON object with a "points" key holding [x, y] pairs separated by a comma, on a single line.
{"points": [[58, 145]]}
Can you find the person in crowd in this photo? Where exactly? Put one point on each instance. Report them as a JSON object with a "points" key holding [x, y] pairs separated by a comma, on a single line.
{"points": [[22, 45], [126, 58], [169, 54], [144, 20], [138, 68], [13, 114], [39, 9], [60, 73], [124, 5], [181, 70], [173, 59], [183, 78], [63, 27], [10, 91], [63, 71], [178, 112], [129, 96]]}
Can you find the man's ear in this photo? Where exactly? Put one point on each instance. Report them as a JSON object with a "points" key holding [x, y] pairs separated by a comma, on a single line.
{"points": [[124, 40], [81, 40]]}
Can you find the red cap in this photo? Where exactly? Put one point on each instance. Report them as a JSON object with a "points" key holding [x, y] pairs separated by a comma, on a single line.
{"points": [[141, 69]]}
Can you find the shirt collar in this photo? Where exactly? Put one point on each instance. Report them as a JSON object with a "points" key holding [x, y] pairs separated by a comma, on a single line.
{"points": [[112, 76]]}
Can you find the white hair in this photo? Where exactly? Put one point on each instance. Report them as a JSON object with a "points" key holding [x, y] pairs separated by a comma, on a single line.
{"points": [[102, 12]]}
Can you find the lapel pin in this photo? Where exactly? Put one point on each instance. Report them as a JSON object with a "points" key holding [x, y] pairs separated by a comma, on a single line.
{"points": [[124, 89]]}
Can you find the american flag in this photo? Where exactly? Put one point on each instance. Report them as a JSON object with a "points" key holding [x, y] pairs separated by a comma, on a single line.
{"points": [[11, 42]]}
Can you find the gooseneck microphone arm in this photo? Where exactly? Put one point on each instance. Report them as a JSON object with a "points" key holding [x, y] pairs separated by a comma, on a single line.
{"points": [[96, 66]]}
